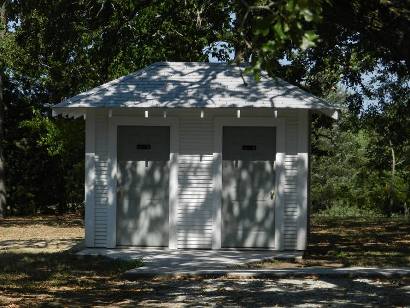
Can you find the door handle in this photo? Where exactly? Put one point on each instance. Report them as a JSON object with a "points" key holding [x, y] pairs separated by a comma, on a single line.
{"points": [[272, 195]]}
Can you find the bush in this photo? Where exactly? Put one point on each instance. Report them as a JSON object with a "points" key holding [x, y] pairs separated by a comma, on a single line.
{"points": [[44, 162], [346, 181], [345, 210]]}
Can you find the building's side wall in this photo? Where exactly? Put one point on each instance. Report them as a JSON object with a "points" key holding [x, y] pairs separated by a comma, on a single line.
{"points": [[303, 179], [89, 179], [194, 211], [101, 178]]}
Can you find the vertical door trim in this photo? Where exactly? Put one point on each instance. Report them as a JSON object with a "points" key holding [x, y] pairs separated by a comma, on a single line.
{"points": [[219, 123], [116, 121]]}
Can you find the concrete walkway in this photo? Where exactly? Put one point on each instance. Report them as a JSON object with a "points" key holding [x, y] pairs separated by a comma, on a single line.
{"points": [[208, 263], [167, 261]]}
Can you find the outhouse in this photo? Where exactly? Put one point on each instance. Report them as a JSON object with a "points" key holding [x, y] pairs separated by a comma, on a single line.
{"points": [[196, 156]]}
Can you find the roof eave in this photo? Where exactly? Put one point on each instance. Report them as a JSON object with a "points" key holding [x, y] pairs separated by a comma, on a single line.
{"points": [[76, 112]]}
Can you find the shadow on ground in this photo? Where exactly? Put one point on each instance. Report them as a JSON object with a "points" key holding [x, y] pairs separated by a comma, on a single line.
{"points": [[377, 242], [66, 220], [62, 278], [66, 279]]}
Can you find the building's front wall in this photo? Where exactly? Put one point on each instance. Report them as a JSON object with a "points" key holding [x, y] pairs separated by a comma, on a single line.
{"points": [[197, 201]]}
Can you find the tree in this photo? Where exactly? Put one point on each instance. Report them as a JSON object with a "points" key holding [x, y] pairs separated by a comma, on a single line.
{"points": [[263, 30], [60, 48], [98, 41], [64, 47], [3, 29], [362, 47]]}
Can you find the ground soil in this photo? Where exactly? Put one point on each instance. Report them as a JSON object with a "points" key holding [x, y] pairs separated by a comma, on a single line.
{"points": [[336, 242], [38, 267], [41, 233]]}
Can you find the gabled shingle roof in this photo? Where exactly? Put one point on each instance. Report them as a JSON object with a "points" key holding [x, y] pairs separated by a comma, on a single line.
{"points": [[195, 84]]}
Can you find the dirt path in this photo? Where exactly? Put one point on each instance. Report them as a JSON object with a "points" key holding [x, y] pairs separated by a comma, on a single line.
{"points": [[223, 292], [281, 292]]}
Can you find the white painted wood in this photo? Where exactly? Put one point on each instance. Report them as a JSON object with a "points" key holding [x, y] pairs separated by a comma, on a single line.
{"points": [[303, 167], [101, 177], [195, 201], [112, 184], [173, 184], [89, 179], [69, 112], [217, 181], [78, 114], [114, 122], [194, 215], [219, 122], [292, 201], [279, 196]]}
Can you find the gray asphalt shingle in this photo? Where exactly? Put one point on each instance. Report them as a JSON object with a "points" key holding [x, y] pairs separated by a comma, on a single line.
{"points": [[195, 84]]}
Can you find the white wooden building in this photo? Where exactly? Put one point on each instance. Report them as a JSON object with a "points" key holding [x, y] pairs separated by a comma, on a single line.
{"points": [[196, 155]]}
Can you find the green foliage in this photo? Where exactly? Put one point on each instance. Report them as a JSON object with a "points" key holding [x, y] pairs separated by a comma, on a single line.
{"points": [[345, 179], [73, 46], [265, 29], [362, 161], [347, 210], [60, 48], [44, 158], [50, 135]]}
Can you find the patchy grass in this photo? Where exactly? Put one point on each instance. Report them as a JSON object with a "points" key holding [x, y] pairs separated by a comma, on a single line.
{"points": [[340, 242], [37, 267], [27, 276], [37, 263], [41, 233], [379, 241]]}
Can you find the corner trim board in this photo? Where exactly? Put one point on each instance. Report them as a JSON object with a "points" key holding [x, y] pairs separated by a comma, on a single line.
{"points": [[89, 189]]}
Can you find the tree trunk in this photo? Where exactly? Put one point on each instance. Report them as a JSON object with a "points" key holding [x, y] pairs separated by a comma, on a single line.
{"points": [[393, 171], [239, 42], [393, 159], [3, 29]]}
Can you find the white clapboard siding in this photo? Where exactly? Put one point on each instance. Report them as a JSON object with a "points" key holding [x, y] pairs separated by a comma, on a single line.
{"points": [[101, 179], [194, 213], [195, 182], [291, 206]]}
